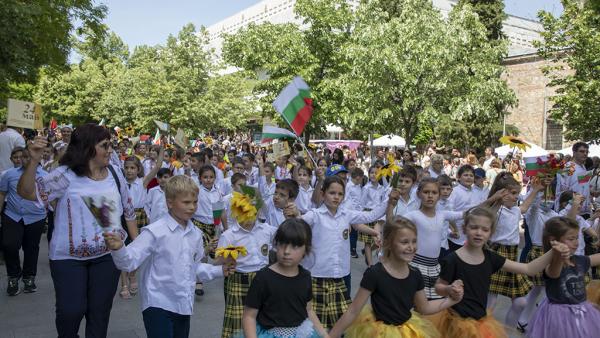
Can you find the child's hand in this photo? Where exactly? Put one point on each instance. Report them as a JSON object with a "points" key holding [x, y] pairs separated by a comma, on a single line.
{"points": [[563, 250], [454, 234], [394, 197], [456, 290], [112, 240], [500, 194], [537, 184], [291, 211], [228, 267], [578, 200]]}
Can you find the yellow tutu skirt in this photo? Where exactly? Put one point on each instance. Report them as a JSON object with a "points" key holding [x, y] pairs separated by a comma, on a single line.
{"points": [[454, 326], [593, 292], [365, 325]]}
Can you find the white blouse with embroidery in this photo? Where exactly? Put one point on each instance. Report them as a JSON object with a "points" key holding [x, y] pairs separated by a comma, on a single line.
{"points": [[77, 233]]}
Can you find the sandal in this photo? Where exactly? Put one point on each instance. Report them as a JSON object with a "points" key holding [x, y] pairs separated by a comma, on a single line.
{"points": [[133, 286], [124, 293]]}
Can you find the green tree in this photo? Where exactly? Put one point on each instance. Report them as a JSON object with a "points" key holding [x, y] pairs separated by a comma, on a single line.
{"points": [[571, 43], [411, 70], [278, 52], [38, 33], [491, 14]]}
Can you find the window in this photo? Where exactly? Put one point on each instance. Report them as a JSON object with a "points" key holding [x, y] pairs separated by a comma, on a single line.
{"points": [[554, 138]]}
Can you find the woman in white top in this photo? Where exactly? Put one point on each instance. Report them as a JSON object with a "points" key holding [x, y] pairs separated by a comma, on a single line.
{"points": [[84, 275]]}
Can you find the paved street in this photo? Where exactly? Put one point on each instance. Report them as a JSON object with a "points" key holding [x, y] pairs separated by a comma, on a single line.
{"points": [[32, 315]]}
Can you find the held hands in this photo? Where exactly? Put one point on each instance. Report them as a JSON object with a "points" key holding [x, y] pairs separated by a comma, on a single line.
{"points": [[563, 250], [229, 267], [456, 290], [112, 240]]}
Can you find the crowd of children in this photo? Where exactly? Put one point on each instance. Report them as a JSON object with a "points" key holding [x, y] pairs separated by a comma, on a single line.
{"points": [[438, 251]]}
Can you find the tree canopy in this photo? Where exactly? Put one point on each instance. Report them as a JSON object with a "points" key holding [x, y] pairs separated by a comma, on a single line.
{"points": [[571, 43]]}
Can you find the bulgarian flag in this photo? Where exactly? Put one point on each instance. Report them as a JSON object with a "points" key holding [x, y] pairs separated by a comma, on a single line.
{"points": [[295, 105], [156, 137], [270, 133], [533, 165], [583, 179]]}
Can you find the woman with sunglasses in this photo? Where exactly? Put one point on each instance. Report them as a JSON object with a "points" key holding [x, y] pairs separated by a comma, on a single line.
{"points": [[88, 196]]}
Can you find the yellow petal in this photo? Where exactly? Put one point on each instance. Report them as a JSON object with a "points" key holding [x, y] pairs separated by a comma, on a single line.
{"points": [[234, 254]]}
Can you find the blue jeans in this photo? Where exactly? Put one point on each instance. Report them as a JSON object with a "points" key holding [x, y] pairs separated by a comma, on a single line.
{"points": [[348, 282], [527, 246], [161, 323], [353, 238]]}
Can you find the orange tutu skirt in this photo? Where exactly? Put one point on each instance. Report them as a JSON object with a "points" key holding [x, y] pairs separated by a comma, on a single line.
{"points": [[365, 325], [452, 325], [593, 292]]}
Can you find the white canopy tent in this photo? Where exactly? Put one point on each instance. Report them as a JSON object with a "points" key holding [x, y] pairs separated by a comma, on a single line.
{"points": [[594, 150], [389, 141], [533, 151]]}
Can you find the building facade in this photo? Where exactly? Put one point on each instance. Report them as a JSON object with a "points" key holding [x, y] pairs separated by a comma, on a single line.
{"points": [[523, 67]]}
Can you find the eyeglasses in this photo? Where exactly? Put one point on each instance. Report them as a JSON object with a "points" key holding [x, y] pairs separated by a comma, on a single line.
{"points": [[106, 145]]}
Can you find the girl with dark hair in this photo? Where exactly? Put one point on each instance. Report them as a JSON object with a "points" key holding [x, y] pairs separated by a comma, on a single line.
{"points": [[84, 275], [337, 157]]}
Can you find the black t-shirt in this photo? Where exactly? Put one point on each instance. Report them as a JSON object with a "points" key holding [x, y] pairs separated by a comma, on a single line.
{"points": [[476, 280], [569, 288], [391, 298], [281, 301]]}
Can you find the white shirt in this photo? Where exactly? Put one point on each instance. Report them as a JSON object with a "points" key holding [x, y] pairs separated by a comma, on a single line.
{"points": [[403, 207], [353, 195], [372, 195], [330, 257], [536, 217], [77, 234], [571, 182], [156, 204], [206, 198], [274, 216], [481, 194], [267, 189], [583, 225], [9, 140], [226, 187], [138, 193], [258, 242], [219, 177], [463, 199], [433, 174], [431, 230], [251, 176], [488, 162], [304, 200], [169, 260], [445, 204], [507, 226]]}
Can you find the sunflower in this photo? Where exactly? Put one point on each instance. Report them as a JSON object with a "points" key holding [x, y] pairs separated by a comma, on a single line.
{"points": [[242, 208], [177, 164], [231, 251], [514, 142], [387, 171]]}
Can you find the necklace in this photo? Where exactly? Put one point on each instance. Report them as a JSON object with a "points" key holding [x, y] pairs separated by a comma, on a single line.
{"points": [[100, 176]]}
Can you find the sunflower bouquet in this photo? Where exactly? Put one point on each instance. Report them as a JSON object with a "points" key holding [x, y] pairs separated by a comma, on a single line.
{"points": [[387, 172], [245, 204], [231, 251]]}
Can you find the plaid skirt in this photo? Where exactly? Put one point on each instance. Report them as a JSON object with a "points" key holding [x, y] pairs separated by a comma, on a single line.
{"points": [[208, 232], [534, 253], [330, 299], [236, 288], [430, 270], [366, 238], [506, 283], [141, 217]]}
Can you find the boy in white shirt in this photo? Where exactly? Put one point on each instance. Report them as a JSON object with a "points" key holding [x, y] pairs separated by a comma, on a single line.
{"points": [[156, 206], [168, 255]]}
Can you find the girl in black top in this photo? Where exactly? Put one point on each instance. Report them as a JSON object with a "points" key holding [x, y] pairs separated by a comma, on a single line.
{"points": [[474, 265], [278, 303], [395, 288]]}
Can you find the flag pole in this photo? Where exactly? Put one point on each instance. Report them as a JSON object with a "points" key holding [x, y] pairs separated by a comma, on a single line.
{"points": [[306, 149]]}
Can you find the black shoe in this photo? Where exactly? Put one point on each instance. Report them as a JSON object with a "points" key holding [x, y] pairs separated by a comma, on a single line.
{"points": [[199, 292], [13, 287], [521, 327], [30, 286], [353, 253]]}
